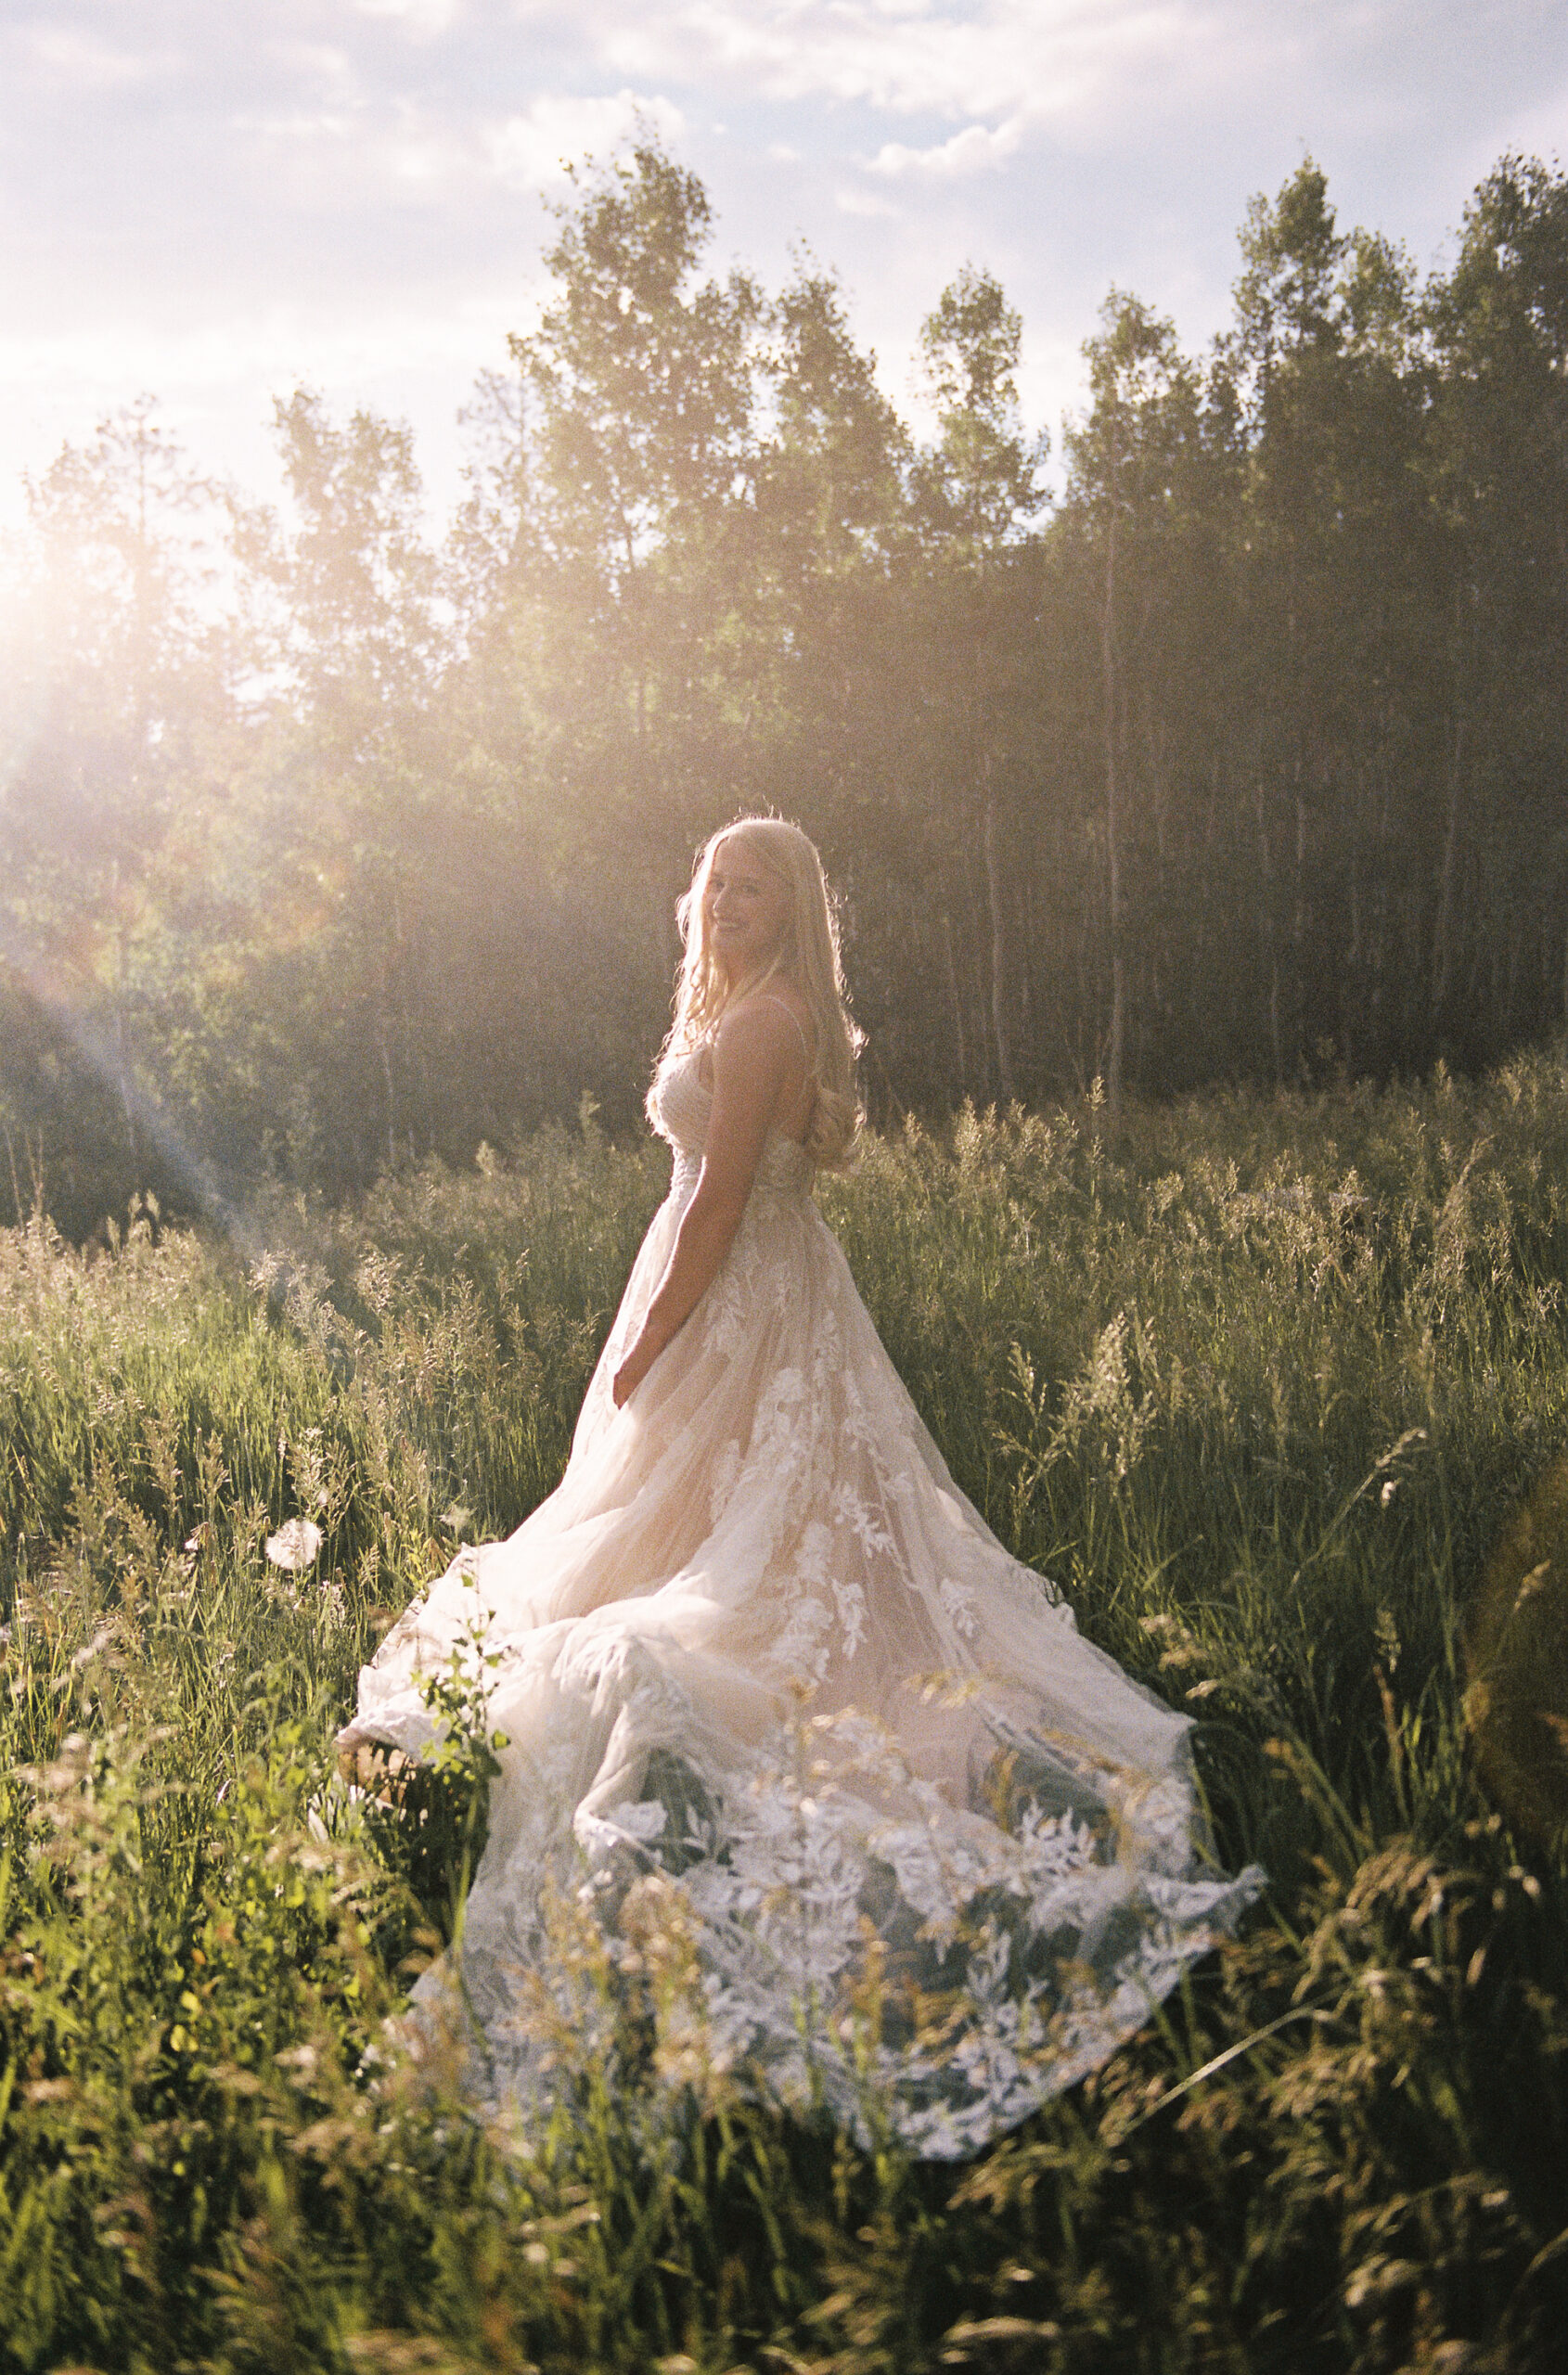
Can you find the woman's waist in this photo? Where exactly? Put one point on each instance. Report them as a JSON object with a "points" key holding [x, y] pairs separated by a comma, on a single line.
{"points": [[785, 1172]]}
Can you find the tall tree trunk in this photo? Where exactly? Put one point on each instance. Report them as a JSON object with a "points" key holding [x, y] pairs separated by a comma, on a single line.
{"points": [[1161, 965], [1116, 1064], [1442, 935], [957, 999], [1355, 973], [122, 1032], [996, 910], [1298, 927], [127, 1104], [390, 1035], [1270, 937], [384, 1051], [15, 1189]]}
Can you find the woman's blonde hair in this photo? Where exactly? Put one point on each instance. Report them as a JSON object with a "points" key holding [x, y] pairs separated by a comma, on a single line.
{"points": [[808, 956]]}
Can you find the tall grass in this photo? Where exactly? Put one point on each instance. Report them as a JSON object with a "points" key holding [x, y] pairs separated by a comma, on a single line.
{"points": [[1258, 1380]]}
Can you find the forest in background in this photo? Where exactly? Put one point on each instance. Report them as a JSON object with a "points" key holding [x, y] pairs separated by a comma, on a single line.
{"points": [[1231, 743]]}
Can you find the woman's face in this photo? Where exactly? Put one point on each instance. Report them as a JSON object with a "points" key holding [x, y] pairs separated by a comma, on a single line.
{"points": [[746, 910]]}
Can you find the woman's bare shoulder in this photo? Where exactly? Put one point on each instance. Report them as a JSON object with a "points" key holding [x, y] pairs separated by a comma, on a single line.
{"points": [[774, 1014]]}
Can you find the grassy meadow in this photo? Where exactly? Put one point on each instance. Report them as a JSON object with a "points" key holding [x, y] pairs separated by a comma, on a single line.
{"points": [[1261, 1381]]}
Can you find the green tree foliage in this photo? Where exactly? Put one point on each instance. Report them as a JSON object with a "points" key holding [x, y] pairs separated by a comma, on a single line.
{"points": [[1243, 753], [1326, 351], [348, 784], [116, 700], [976, 487], [979, 482], [632, 550], [1499, 439], [1132, 486]]}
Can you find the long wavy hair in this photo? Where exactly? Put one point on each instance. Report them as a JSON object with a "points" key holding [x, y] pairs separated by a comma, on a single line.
{"points": [[808, 955]]}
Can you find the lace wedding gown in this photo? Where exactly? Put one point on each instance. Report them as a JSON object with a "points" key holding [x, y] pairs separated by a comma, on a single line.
{"points": [[938, 1854]]}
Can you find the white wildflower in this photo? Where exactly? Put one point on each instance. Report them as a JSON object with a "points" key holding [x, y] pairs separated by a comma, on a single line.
{"points": [[295, 1546]]}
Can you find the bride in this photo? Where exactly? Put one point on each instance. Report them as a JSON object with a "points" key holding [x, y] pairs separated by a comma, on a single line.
{"points": [[938, 1856]]}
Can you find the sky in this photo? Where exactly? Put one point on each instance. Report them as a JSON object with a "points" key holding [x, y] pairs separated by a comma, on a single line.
{"points": [[217, 201]]}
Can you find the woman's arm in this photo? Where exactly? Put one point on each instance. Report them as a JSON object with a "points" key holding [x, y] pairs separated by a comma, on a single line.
{"points": [[757, 1061]]}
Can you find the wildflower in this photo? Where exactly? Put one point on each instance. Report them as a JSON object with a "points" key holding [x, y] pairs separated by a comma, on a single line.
{"points": [[295, 1546]]}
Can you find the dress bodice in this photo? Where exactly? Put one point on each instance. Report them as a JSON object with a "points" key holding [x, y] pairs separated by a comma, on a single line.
{"points": [[682, 1107]]}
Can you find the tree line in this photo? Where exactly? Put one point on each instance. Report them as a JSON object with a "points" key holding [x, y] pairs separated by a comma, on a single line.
{"points": [[1238, 749]]}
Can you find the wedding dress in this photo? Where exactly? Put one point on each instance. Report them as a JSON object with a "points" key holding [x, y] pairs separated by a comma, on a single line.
{"points": [[938, 1856]]}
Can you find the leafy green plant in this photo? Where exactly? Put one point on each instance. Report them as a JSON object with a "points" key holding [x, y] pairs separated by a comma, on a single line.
{"points": [[428, 1817]]}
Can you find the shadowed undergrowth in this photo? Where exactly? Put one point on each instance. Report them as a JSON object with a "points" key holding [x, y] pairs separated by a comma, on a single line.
{"points": [[1258, 1380]]}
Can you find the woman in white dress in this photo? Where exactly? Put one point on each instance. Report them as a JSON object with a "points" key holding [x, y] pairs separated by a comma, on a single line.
{"points": [[938, 1854]]}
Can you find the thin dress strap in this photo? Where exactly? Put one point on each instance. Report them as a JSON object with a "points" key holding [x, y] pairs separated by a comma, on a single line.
{"points": [[765, 998]]}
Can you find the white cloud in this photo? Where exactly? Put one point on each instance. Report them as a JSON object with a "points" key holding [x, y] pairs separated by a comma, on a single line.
{"points": [[316, 61], [850, 200], [1047, 57], [532, 148], [71, 55], [333, 156], [294, 124], [976, 149], [426, 19], [336, 155]]}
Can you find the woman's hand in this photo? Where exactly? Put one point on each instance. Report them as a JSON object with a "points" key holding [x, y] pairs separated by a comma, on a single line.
{"points": [[633, 1369]]}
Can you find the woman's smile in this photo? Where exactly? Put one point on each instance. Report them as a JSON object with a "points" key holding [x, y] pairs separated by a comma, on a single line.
{"points": [[746, 908]]}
